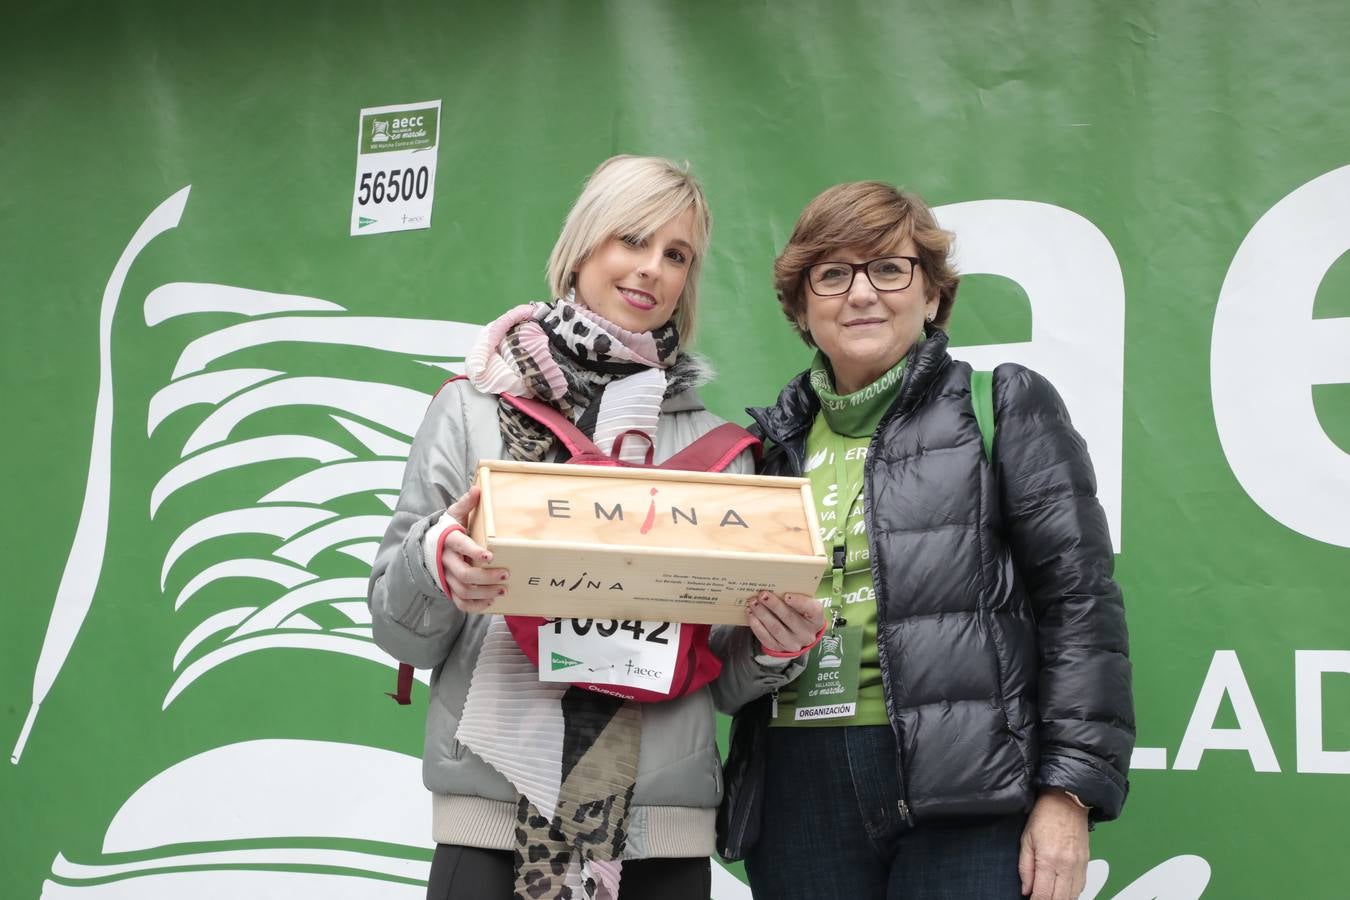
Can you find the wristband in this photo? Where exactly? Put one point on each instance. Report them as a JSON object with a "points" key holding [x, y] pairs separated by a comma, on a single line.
{"points": [[788, 654], [435, 544]]}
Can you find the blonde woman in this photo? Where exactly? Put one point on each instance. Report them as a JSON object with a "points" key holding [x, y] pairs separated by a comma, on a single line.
{"points": [[616, 796]]}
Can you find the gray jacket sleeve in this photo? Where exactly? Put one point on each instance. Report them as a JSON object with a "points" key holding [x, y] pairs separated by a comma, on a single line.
{"points": [[745, 677], [1062, 548], [414, 621]]}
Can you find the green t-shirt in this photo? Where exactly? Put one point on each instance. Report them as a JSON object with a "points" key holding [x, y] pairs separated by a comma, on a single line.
{"points": [[844, 429]]}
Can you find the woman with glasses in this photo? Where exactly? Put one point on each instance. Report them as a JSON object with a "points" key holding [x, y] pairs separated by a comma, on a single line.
{"points": [[968, 711], [539, 789]]}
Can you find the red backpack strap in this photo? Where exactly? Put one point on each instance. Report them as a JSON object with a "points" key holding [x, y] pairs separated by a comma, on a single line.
{"points": [[618, 444], [561, 427], [449, 381], [715, 450], [404, 689]]}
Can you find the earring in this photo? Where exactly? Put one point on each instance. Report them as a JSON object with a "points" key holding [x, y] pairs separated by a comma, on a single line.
{"points": [[931, 316]]}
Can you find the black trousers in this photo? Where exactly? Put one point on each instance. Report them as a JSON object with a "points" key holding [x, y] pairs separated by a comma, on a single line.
{"points": [[469, 873]]}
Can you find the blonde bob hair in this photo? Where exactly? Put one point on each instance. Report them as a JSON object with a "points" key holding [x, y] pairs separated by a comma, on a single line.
{"points": [[874, 217], [632, 195]]}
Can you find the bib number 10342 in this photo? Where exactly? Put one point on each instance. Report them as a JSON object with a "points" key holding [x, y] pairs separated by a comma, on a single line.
{"points": [[609, 651], [652, 632]]}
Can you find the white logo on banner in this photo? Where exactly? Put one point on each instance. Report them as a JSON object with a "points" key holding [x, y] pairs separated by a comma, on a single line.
{"points": [[1263, 401], [1072, 280], [282, 792]]}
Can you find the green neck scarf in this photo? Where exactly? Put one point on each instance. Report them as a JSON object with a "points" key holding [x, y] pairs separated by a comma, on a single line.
{"points": [[857, 414]]}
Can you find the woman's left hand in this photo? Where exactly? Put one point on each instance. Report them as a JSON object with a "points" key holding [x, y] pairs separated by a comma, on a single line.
{"points": [[785, 624], [1054, 857]]}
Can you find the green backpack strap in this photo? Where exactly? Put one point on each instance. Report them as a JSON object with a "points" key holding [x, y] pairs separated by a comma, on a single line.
{"points": [[982, 399]]}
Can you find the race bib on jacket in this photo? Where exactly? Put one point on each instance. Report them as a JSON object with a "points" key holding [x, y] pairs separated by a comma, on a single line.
{"points": [[609, 651]]}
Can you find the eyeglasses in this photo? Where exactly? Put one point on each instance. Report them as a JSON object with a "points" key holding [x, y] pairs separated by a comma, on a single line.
{"points": [[887, 273]]}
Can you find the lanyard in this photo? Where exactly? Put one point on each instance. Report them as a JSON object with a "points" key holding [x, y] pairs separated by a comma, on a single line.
{"points": [[846, 499]]}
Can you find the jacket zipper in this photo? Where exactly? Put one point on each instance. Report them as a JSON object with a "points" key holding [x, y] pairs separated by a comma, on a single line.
{"points": [[742, 824], [883, 657]]}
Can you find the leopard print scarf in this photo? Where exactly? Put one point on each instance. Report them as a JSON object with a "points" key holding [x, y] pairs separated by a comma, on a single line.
{"points": [[565, 354]]}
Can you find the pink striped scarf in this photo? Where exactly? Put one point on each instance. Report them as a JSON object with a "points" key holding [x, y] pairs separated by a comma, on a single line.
{"points": [[519, 353]]}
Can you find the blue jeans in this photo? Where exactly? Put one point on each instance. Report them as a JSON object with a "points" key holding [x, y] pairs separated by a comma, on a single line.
{"points": [[832, 828]]}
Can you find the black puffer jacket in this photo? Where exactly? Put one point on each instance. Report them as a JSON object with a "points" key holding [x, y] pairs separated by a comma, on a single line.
{"points": [[1002, 635]]}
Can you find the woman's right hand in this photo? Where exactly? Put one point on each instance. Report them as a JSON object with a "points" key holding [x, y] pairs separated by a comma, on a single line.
{"points": [[786, 625], [473, 586]]}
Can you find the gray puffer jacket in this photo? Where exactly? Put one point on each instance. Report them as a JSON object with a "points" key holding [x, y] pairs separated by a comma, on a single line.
{"points": [[1001, 633], [679, 776]]}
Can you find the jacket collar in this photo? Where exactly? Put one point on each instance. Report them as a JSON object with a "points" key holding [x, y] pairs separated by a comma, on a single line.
{"points": [[797, 404], [686, 400]]}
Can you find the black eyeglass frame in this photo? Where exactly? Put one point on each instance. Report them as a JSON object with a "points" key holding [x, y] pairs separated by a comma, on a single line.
{"points": [[915, 264]]}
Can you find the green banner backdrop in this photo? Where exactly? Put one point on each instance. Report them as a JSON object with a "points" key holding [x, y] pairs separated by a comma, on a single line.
{"points": [[209, 383]]}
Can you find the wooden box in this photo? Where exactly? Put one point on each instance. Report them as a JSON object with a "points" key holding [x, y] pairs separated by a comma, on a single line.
{"points": [[644, 544]]}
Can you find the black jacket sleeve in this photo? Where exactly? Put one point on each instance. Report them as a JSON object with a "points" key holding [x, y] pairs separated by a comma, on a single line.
{"points": [[1061, 547]]}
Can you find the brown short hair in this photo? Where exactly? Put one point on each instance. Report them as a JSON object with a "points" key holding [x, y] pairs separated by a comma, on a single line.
{"points": [[871, 215]]}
